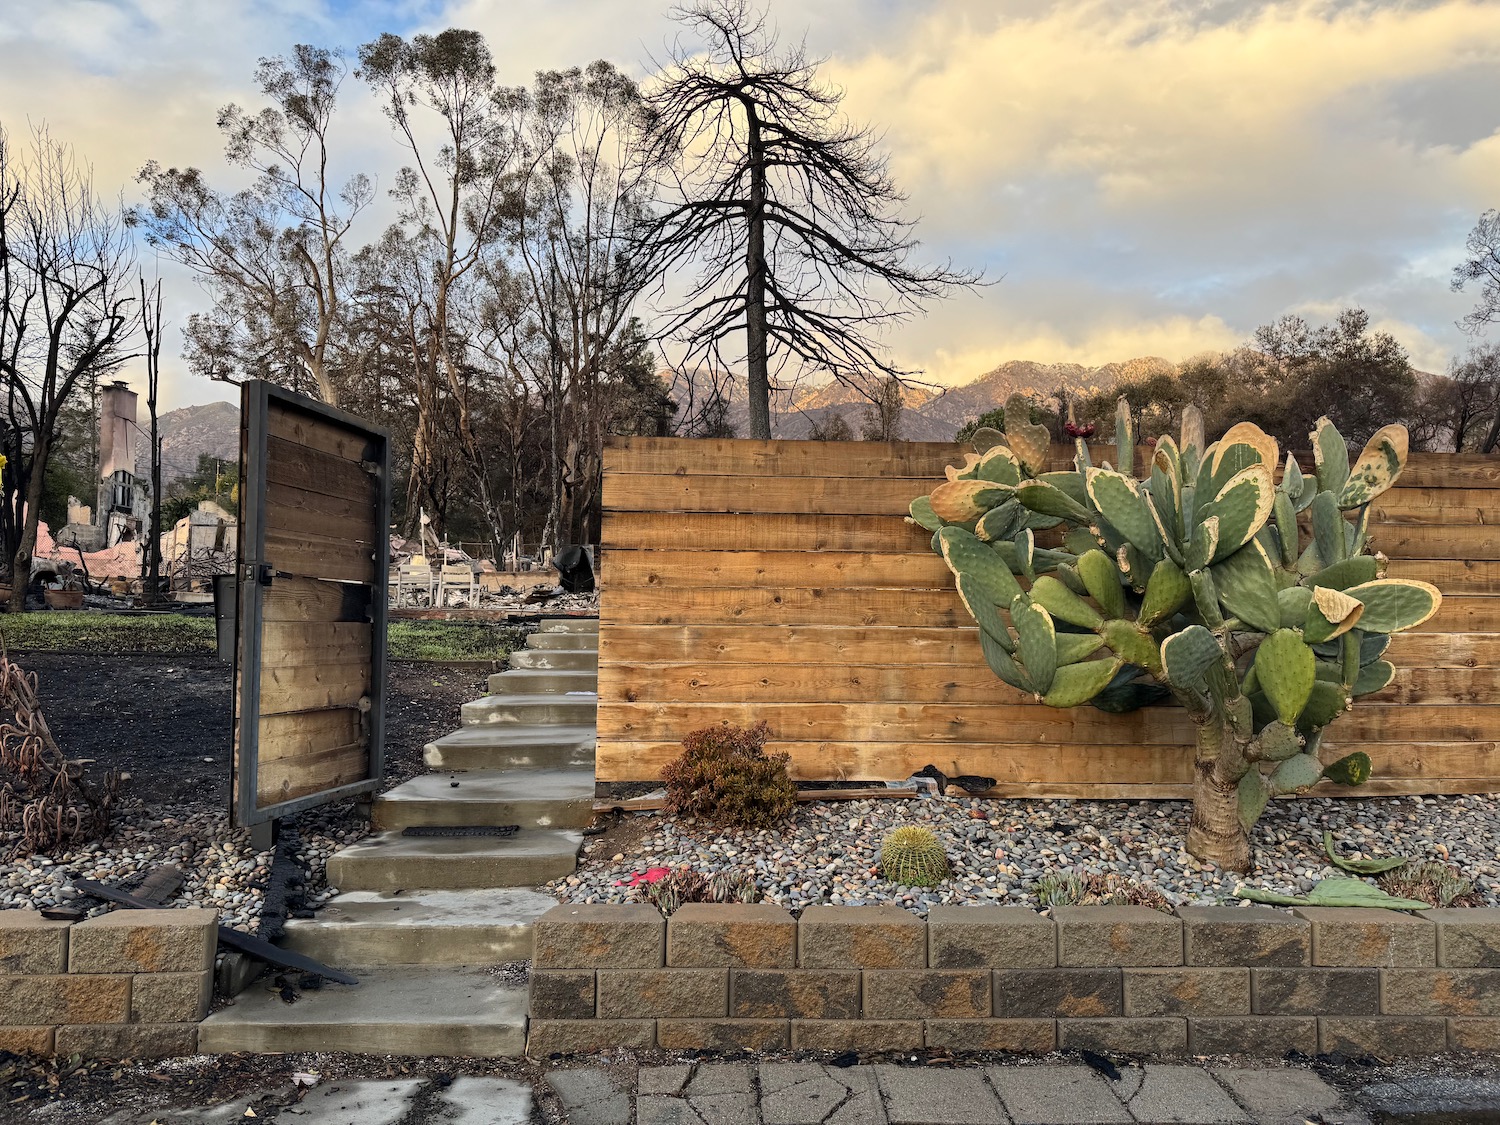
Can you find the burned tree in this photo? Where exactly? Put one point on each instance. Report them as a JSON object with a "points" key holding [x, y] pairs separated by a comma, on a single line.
{"points": [[786, 209], [66, 261]]}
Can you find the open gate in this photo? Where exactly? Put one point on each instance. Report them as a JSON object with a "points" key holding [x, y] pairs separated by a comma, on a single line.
{"points": [[312, 596]]}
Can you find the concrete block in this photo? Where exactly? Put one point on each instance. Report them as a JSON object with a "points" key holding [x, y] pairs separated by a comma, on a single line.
{"points": [[1314, 992], [861, 937], [1466, 1034], [662, 993], [915, 1096], [811, 994], [990, 937], [1467, 938], [592, 936], [856, 1035], [591, 1096], [1187, 992], [32, 945], [805, 1093], [588, 1037], [724, 1035], [893, 994], [32, 1001], [663, 1079], [1440, 992], [1383, 1036], [561, 994], [171, 997], [1045, 1095], [732, 936], [145, 941], [1234, 936], [1140, 1036], [127, 1040], [1117, 935], [1035, 1037], [1354, 936], [26, 1040], [1053, 993], [1252, 1035]]}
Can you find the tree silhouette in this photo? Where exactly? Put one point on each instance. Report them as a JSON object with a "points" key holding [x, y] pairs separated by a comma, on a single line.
{"points": [[786, 210]]}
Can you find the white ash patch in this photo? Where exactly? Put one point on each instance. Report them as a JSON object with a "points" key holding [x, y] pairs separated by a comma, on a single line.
{"points": [[999, 848]]}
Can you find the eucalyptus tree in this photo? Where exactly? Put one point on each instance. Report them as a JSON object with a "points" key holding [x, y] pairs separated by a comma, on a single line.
{"points": [[272, 258]]}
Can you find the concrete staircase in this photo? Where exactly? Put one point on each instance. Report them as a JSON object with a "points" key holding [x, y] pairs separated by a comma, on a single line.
{"points": [[418, 918]]}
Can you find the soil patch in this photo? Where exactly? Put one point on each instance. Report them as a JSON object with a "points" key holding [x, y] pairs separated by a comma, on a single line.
{"points": [[166, 718]]}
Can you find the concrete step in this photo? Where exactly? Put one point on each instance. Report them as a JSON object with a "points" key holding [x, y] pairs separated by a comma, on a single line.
{"points": [[543, 681], [564, 642], [389, 861], [532, 799], [557, 659], [561, 710], [512, 746], [479, 927], [570, 625], [393, 1011]]}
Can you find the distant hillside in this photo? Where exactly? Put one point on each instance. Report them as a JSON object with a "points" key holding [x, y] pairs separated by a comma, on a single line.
{"points": [[186, 434], [932, 415]]}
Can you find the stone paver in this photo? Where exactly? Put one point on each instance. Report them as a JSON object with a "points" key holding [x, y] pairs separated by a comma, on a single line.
{"points": [[937, 1097], [1054, 1095], [488, 1101], [662, 1079], [591, 1097], [655, 1109], [1436, 1097], [797, 1093], [1177, 1094], [365, 1102], [1286, 1096]]}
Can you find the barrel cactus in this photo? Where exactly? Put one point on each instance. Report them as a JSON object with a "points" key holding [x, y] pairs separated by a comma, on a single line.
{"points": [[913, 857], [1257, 605]]}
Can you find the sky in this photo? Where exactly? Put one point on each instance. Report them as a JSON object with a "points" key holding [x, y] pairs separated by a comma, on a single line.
{"points": [[1136, 177]]}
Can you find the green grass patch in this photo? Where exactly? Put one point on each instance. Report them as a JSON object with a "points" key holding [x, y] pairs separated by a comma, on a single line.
{"points": [[107, 632], [176, 632], [451, 640]]}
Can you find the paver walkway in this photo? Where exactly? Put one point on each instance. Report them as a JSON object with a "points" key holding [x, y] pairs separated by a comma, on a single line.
{"points": [[796, 1093]]}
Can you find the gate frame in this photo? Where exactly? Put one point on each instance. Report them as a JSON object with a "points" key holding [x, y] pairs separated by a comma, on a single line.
{"points": [[253, 574]]}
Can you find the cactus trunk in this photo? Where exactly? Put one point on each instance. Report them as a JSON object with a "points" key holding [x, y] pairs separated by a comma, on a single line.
{"points": [[1216, 834]]}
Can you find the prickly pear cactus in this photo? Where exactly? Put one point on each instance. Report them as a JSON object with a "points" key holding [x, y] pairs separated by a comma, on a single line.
{"points": [[913, 857], [1196, 583]]}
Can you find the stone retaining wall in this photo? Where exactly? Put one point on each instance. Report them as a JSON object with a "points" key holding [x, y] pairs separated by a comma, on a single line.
{"points": [[1207, 980], [129, 984]]}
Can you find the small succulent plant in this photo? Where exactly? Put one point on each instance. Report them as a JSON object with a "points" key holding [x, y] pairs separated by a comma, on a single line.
{"points": [[913, 857]]}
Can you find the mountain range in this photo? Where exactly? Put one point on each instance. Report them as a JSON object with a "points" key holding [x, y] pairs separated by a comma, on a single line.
{"points": [[928, 413]]}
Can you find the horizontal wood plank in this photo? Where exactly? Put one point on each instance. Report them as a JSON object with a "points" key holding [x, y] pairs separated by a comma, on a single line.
{"points": [[325, 435], [1057, 764], [298, 466], [309, 687], [299, 511], [661, 531], [308, 599], [653, 605], [775, 569], [319, 556]]}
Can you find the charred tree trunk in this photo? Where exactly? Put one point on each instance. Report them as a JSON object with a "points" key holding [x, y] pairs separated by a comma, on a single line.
{"points": [[757, 359]]}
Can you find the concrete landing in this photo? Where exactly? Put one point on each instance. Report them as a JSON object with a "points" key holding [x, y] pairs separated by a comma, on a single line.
{"points": [[512, 748], [391, 862], [534, 799], [570, 625], [543, 681], [401, 1011], [477, 927], [561, 710]]}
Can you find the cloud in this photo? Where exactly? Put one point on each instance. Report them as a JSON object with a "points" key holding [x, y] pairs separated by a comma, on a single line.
{"points": [[1148, 176]]}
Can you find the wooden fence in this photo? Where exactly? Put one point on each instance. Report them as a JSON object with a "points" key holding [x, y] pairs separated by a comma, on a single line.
{"points": [[749, 580]]}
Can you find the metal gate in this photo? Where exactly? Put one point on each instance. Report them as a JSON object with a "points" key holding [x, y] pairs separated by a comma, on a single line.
{"points": [[313, 575]]}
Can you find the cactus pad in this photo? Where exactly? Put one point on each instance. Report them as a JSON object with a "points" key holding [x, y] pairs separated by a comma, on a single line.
{"points": [[1395, 604]]}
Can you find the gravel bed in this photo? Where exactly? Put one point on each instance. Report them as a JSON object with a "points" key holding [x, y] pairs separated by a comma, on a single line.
{"points": [[220, 868], [999, 848]]}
